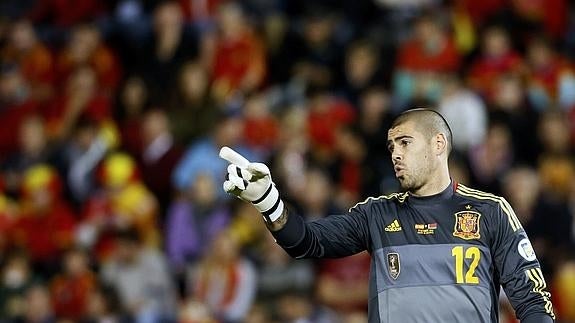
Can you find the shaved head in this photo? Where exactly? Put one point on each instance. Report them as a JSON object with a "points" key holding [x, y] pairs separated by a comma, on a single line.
{"points": [[428, 122]]}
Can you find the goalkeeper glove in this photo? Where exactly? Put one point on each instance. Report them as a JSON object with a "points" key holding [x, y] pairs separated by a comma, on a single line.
{"points": [[252, 182]]}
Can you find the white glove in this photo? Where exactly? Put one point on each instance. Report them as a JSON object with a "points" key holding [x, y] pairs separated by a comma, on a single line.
{"points": [[252, 182]]}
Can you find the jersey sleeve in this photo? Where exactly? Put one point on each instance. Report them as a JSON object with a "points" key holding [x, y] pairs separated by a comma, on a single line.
{"points": [[330, 237], [518, 268]]}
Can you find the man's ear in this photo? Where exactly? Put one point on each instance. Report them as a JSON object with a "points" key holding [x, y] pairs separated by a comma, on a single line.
{"points": [[440, 144]]}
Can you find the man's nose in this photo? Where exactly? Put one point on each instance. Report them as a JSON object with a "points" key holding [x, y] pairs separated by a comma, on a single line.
{"points": [[396, 155]]}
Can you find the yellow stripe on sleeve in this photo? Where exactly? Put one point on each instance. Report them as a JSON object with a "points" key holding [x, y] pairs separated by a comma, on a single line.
{"points": [[536, 276]]}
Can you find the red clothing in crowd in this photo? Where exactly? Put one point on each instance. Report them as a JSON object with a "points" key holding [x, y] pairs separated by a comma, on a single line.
{"points": [[414, 57], [97, 109], [45, 235], [485, 70], [323, 122], [36, 64], [199, 9], [548, 77], [262, 132], [70, 295], [66, 13], [551, 14], [350, 177], [349, 274], [103, 61], [11, 117], [236, 59], [480, 11]]}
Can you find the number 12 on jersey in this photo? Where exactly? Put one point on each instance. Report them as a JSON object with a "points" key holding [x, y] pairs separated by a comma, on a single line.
{"points": [[460, 254]]}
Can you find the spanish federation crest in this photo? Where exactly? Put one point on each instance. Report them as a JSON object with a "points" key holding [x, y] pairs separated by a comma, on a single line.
{"points": [[393, 264], [467, 225]]}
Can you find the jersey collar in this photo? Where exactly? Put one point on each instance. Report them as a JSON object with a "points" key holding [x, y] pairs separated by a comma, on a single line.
{"points": [[442, 196]]}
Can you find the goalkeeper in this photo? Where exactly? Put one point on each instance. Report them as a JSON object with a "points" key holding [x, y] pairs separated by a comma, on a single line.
{"points": [[440, 250]]}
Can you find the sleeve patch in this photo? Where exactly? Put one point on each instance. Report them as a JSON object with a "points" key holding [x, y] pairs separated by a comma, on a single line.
{"points": [[526, 250]]}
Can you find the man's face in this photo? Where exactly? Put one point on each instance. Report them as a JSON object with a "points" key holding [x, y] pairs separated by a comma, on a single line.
{"points": [[411, 155]]}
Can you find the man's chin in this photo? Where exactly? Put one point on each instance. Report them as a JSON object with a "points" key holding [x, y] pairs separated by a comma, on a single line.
{"points": [[404, 184]]}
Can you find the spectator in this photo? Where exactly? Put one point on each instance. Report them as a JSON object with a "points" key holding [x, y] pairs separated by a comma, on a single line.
{"points": [[510, 106], [553, 134], [465, 112], [131, 103], [141, 278], [193, 222], [243, 226], [350, 274], [170, 46], [315, 198], [34, 59], [422, 60], [82, 99], [225, 280], [16, 104], [159, 156], [192, 110], [86, 48], [102, 306], [123, 202], [289, 159], [362, 69], [71, 289], [374, 117], [239, 62], [33, 150], [315, 52], [17, 277], [545, 217], [202, 155], [497, 57], [491, 159], [261, 128], [327, 114], [349, 180], [80, 155], [279, 274], [551, 77], [47, 223], [38, 306]]}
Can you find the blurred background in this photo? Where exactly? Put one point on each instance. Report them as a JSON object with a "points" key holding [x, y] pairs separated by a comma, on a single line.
{"points": [[112, 114]]}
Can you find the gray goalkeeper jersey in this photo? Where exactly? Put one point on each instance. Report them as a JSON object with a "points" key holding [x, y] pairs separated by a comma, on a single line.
{"points": [[440, 258]]}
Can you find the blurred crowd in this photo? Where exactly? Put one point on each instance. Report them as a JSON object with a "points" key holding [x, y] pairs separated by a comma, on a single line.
{"points": [[112, 114]]}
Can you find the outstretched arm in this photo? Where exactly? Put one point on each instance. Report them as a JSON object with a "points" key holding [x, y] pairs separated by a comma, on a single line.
{"points": [[334, 236]]}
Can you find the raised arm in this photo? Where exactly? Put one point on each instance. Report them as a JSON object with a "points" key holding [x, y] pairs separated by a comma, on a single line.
{"points": [[331, 237]]}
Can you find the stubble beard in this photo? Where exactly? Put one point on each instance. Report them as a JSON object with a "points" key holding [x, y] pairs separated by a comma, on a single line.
{"points": [[413, 181], [408, 184]]}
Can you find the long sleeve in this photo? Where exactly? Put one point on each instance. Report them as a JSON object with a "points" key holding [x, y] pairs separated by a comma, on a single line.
{"points": [[330, 237], [520, 273]]}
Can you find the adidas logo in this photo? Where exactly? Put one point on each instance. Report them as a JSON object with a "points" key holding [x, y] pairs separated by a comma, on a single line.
{"points": [[393, 226]]}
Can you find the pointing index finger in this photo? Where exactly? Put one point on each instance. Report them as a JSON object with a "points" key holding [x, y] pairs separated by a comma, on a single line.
{"points": [[233, 157]]}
